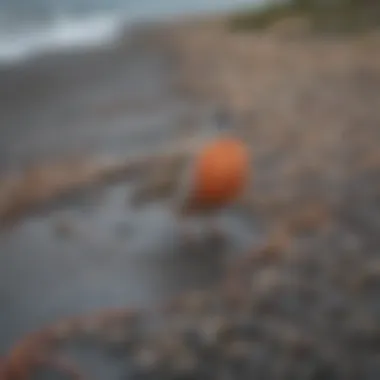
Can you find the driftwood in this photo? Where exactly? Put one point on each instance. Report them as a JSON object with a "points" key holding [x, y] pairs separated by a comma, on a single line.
{"points": [[36, 186], [37, 349]]}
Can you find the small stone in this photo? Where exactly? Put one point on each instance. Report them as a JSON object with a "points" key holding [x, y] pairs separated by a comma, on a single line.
{"points": [[364, 332], [192, 339], [184, 364], [170, 346], [300, 346], [196, 302], [147, 359], [248, 330], [267, 280], [238, 350], [213, 329], [297, 343], [352, 243], [370, 276], [278, 243], [324, 371]]}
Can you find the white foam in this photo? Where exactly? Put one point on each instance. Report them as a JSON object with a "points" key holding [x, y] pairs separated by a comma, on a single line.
{"points": [[61, 34], [70, 31]]}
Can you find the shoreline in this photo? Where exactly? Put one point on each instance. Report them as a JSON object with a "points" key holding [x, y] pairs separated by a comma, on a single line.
{"points": [[304, 303], [31, 84]]}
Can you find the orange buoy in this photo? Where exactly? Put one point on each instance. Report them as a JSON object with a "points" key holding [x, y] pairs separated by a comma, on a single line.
{"points": [[221, 172]]}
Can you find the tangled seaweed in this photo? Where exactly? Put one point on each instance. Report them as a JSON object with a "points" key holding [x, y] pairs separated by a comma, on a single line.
{"points": [[39, 348]]}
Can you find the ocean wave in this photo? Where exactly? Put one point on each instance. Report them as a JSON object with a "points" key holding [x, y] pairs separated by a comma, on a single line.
{"points": [[64, 32], [20, 40]]}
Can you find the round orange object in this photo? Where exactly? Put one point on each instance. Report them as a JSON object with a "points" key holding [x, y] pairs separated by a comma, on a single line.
{"points": [[220, 174]]}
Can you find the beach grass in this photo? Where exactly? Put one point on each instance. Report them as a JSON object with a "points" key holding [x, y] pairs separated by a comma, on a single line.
{"points": [[336, 16]]}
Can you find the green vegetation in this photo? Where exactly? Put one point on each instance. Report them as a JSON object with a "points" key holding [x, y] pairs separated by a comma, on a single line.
{"points": [[324, 15]]}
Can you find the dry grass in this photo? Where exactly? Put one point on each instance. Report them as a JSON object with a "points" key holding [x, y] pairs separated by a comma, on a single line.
{"points": [[334, 16]]}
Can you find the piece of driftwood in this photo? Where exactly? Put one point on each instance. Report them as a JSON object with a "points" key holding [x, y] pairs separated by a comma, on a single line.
{"points": [[33, 187], [40, 348]]}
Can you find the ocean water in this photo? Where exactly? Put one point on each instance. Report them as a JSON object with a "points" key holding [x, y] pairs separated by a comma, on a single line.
{"points": [[32, 27]]}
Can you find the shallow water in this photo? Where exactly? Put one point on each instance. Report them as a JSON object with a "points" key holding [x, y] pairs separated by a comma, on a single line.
{"points": [[94, 251]]}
